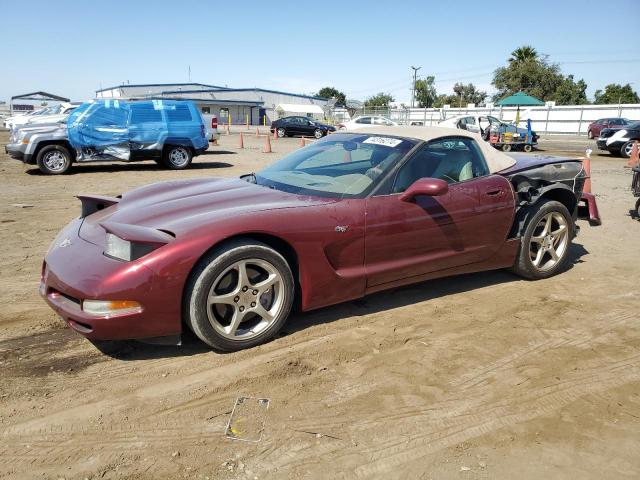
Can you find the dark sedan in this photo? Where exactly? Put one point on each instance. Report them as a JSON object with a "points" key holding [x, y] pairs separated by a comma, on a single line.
{"points": [[620, 141], [300, 126]]}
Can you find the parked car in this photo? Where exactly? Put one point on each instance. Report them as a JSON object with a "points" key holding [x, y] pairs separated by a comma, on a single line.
{"points": [[619, 142], [594, 129], [366, 121], [211, 124], [352, 214], [8, 120], [482, 124], [51, 114], [171, 132], [300, 126]]}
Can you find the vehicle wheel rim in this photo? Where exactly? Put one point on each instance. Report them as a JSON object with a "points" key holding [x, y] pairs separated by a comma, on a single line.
{"points": [[549, 241], [627, 149], [281, 132], [55, 161], [318, 133], [245, 299], [179, 156]]}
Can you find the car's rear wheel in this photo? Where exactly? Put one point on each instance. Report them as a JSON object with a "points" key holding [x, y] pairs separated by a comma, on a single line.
{"points": [[527, 148], [590, 134], [281, 132], [176, 157], [544, 246], [626, 149], [318, 133], [239, 296], [54, 160], [506, 147]]}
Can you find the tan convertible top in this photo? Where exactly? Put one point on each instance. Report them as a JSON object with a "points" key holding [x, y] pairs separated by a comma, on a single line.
{"points": [[496, 161]]}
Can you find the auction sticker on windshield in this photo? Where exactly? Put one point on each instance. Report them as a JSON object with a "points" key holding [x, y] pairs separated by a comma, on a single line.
{"points": [[386, 141]]}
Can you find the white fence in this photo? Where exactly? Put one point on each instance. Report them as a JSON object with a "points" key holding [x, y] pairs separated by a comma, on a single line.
{"points": [[567, 119]]}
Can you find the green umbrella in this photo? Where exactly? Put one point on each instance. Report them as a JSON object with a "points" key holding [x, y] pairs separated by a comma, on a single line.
{"points": [[519, 99]]}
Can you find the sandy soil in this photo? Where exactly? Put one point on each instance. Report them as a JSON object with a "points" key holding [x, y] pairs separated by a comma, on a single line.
{"points": [[475, 377]]}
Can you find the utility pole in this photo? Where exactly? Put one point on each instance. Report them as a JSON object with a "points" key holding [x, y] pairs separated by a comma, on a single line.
{"points": [[413, 91]]}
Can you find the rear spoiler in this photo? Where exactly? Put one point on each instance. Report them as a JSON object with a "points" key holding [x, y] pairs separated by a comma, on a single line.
{"points": [[93, 203], [588, 209]]}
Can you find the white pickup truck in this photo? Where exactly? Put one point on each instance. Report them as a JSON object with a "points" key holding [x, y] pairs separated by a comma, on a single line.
{"points": [[211, 124]]}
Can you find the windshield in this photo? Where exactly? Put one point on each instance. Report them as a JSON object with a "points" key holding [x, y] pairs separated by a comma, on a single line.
{"points": [[340, 165]]}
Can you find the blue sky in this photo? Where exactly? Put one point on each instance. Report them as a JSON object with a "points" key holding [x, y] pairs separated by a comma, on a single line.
{"points": [[361, 47]]}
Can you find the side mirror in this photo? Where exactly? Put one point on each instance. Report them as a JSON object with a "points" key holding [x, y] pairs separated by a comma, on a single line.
{"points": [[431, 187]]}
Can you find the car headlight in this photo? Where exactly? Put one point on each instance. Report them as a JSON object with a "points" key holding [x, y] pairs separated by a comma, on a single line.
{"points": [[125, 250], [109, 308]]}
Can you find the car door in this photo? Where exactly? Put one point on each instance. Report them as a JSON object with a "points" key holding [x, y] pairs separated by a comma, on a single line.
{"points": [[466, 225], [307, 127], [146, 126], [292, 125]]}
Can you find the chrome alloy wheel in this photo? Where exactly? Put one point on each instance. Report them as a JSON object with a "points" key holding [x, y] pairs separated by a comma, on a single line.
{"points": [[179, 156], [55, 161], [628, 148], [245, 299], [549, 241]]}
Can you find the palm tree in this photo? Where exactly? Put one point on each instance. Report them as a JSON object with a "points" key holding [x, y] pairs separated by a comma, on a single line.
{"points": [[522, 54]]}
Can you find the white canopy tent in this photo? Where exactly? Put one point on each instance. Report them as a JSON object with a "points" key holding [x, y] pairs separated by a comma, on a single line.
{"points": [[308, 110]]}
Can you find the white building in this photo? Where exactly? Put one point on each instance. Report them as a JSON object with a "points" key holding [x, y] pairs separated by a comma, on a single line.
{"points": [[258, 106]]}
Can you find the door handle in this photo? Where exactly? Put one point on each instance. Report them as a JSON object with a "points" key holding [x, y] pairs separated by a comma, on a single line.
{"points": [[498, 192]]}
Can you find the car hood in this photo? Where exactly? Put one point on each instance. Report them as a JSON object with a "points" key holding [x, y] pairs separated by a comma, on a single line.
{"points": [[185, 205]]}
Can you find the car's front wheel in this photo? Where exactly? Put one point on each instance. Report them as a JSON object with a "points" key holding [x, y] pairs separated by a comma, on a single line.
{"points": [[239, 296], [176, 157], [627, 148], [54, 160], [318, 133], [590, 135], [544, 245]]}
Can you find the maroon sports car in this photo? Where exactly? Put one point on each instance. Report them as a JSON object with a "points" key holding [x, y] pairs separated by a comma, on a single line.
{"points": [[351, 214]]}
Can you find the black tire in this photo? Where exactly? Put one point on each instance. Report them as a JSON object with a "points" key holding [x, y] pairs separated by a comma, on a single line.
{"points": [[54, 160], [318, 133], [625, 150], [527, 148], [523, 265], [506, 147], [281, 132], [201, 281], [590, 134], [176, 157], [637, 212]]}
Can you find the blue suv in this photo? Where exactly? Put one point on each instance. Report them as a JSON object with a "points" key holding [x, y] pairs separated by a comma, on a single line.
{"points": [[171, 132]]}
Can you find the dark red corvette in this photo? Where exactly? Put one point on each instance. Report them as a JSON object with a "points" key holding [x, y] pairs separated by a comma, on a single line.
{"points": [[351, 214]]}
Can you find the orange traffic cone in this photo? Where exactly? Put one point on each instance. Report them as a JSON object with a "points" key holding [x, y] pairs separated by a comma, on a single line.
{"points": [[228, 131], [586, 164], [241, 141], [257, 132], [275, 133], [267, 144], [634, 158], [302, 141]]}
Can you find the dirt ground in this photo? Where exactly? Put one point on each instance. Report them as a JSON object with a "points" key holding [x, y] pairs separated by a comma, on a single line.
{"points": [[474, 377]]}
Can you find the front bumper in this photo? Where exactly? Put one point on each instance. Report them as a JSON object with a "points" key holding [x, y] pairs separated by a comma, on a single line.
{"points": [[588, 209], [16, 150], [75, 270]]}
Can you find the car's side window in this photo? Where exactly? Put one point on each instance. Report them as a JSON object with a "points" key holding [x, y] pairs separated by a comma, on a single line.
{"points": [[452, 159], [365, 120]]}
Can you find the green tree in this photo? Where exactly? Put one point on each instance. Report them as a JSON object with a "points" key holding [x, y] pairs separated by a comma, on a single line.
{"points": [[614, 93], [379, 100], [570, 92], [523, 54], [426, 92], [330, 92], [462, 95], [527, 71]]}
